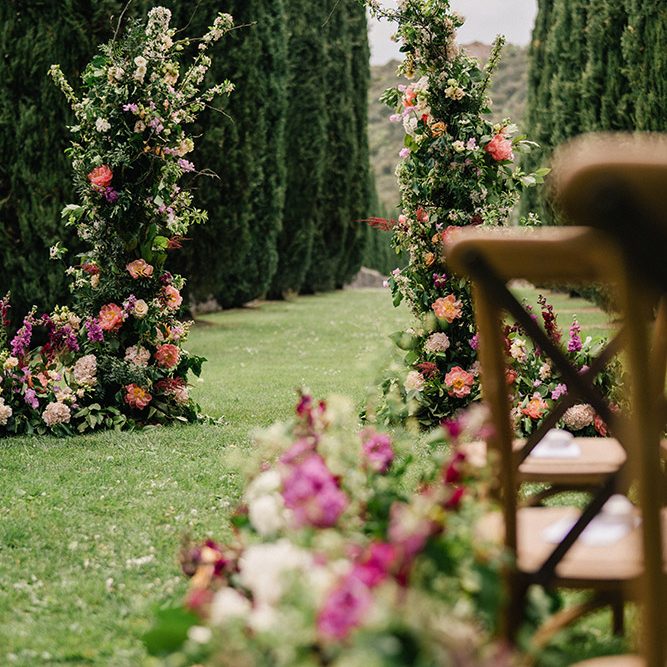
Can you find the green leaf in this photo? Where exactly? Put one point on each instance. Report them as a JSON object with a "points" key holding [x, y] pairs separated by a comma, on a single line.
{"points": [[403, 340], [170, 631]]}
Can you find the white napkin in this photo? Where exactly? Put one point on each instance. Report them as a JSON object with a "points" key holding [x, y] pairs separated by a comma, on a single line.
{"points": [[616, 519], [556, 444]]}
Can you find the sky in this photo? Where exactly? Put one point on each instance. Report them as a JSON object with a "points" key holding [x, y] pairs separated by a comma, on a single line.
{"points": [[484, 20]]}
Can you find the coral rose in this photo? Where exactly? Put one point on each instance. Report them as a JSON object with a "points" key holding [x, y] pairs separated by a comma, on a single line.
{"points": [[459, 382], [172, 297], [500, 148], [137, 397], [447, 308], [139, 268], [167, 355], [101, 177], [111, 317], [535, 408]]}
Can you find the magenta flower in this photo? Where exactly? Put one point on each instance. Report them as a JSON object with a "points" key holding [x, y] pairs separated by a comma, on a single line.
{"points": [[377, 450], [574, 344], [344, 609], [439, 280], [30, 397], [376, 565], [21, 341], [313, 495], [474, 342], [94, 331]]}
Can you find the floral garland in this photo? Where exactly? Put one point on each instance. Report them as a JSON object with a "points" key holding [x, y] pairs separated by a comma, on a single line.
{"points": [[456, 170], [348, 550], [116, 359]]}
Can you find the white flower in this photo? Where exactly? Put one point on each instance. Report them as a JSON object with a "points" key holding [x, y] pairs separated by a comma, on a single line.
{"points": [[56, 413], [263, 568], [102, 125], [579, 416], [199, 634], [437, 342], [458, 146], [11, 363], [139, 126], [545, 371], [85, 370], [228, 604], [267, 514], [140, 61], [268, 482], [414, 381], [5, 412], [140, 309], [137, 355], [518, 350]]}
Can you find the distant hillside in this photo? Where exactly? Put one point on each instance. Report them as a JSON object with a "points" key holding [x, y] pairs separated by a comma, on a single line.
{"points": [[508, 93]]}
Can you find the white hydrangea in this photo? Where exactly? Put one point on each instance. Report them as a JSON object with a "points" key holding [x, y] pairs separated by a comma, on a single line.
{"points": [[85, 370], [267, 514], [5, 412], [137, 355], [56, 413], [229, 604], [437, 342], [414, 381], [579, 416], [102, 125], [518, 350]]}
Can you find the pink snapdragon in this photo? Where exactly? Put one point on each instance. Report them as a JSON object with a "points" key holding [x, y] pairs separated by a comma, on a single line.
{"points": [[376, 564], [313, 495], [574, 344]]}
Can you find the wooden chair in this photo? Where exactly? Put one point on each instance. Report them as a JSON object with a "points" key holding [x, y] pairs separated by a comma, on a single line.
{"points": [[491, 258], [612, 183]]}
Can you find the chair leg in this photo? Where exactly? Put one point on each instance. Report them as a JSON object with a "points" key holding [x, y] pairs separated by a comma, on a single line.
{"points": [[618, 614]]}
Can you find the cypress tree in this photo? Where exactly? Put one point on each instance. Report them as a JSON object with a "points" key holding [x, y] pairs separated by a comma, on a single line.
{"points": [[306, 139], [360, 195], [233, 257], [646, 61], [35, 178], [335, 207]]}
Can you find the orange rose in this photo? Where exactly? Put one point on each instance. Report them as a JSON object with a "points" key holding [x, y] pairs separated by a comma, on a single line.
{"points": [[447, 308], [111, 317], [535, 408], [101, 177], [438, 129], [137, 397], [459, 382], [140, 269], [167, 355], [172, 297]]}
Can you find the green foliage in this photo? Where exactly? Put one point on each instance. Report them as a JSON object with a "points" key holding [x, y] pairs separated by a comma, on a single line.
{"points": [[34, 172], [306, 145]]}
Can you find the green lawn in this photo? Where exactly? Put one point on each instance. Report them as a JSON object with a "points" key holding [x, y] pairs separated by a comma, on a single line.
{"points": [[90, 527]]}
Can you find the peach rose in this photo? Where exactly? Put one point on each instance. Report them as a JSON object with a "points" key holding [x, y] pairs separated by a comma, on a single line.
{"points": [[447, 308], [500, 148], [139, 268], [137, 397], [535, 408], [111, 317], [172, 297], [101, 177], [438, 129], [459, 382], [167, 355], [140, 309]]}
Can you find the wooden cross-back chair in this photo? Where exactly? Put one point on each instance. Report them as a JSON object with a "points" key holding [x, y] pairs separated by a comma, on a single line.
{"points": [[491, 258], [617, 184]]}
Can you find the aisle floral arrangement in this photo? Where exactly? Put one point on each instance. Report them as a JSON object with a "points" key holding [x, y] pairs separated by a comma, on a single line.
{"points": [[116, 358], [456, 169], [349, 549]]}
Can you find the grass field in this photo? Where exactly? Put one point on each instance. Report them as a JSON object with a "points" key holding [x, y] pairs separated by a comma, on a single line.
{"points": [[90, 527]]}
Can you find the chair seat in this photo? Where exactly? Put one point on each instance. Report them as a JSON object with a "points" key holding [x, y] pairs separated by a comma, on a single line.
{"points": [[599, 457], [584, 565], [612, 661]]}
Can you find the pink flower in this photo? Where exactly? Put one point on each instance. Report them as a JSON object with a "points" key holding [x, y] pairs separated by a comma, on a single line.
{"points": [[137, 397], [100, 177], [447, 308], [313, 495], [172, 297], [111, 317], [500, 148], [376, 564], [377, 450], [459, 382], [344, 609], [140, 269], [167, 355], [408, 531]]}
